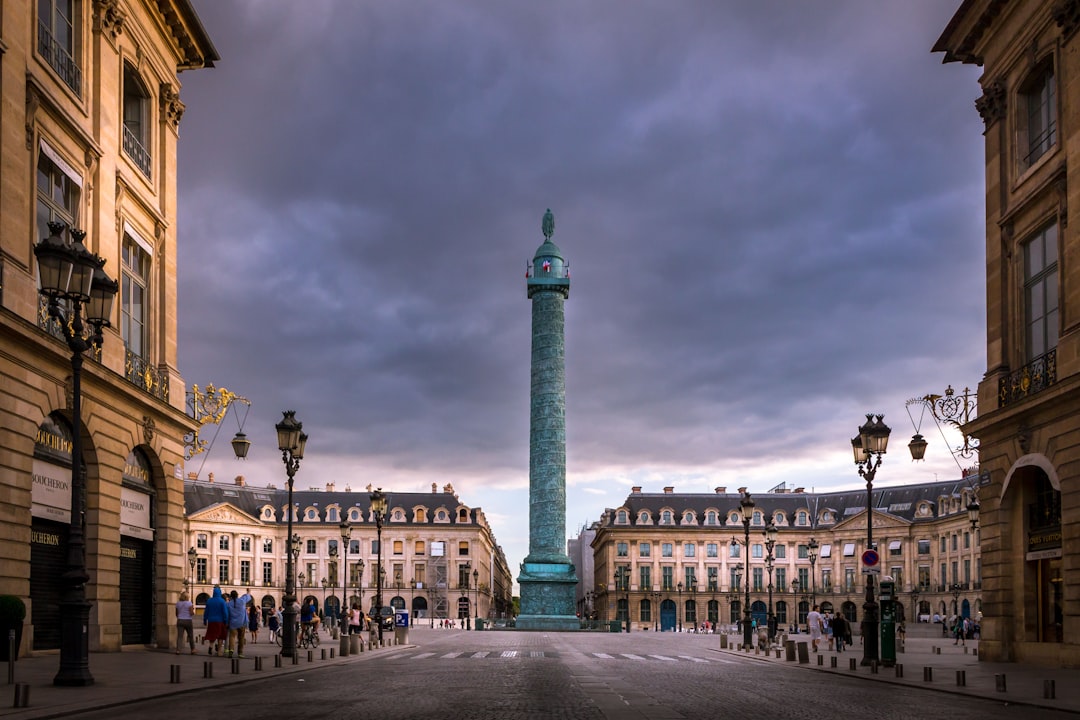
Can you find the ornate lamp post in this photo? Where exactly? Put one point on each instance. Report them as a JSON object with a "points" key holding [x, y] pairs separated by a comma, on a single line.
{"points": [[301, 578], [693, 597], [346, 538], [956, 588], [358, 583], [680, 608], [72, 279], [656, 609], [738, 574], [291, 443], [433, 596], [622, 582], [770, 534], [378, 508], [869, 445], [795, 597], [468, 621], [746, 505], [812, 553], [915, 603], [191, 555], [476, 591]]}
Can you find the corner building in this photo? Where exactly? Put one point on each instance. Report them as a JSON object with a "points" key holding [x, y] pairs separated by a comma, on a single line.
{"points": [[678, 560], [88, 136], [439, 556], [1028, 425]]}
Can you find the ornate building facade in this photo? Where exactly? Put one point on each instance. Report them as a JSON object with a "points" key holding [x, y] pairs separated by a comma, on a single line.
{"points": [[1028, 427], [439, 556], [673, 560], [89, 139]]}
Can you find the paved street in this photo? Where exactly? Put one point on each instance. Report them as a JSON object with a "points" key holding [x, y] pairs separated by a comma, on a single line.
{"points": [[512, 675]]}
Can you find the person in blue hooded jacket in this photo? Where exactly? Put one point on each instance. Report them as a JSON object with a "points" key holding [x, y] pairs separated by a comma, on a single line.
{"points": [[216, 619], [238, 620]]}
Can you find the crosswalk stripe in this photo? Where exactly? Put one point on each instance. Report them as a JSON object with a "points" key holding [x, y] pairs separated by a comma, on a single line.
{"points": [[663, 657], [509, 653], [421, 656], [480, 654], [605, 656], [632, 657], [693, 659], [451, 656]]}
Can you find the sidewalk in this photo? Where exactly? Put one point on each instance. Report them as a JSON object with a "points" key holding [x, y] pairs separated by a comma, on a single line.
{"points": [[948, 664], [141, 673]]}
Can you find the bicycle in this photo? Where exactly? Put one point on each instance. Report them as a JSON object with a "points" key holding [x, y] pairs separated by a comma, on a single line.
{"points": [[309, 637]]}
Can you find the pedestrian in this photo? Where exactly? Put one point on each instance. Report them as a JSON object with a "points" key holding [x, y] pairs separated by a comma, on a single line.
{"points": [[354, 619], [816, 627], [826, 620], [185, 615], [958, 632], [901, 632], [273, 623], [216, 619], [840, 631], [237, 622], [253, 622]]}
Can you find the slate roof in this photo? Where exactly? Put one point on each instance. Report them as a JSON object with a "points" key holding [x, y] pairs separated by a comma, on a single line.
{"points": [[900, 501], [199, 496]]}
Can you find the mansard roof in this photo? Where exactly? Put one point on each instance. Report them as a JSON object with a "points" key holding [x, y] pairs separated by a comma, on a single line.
{"points": [[900, 501], [200, 495]]}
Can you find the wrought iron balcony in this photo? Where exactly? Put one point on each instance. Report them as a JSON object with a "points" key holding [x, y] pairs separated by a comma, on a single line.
{"points": [[140, 372], [1034, 377], [134, 149], [59, 59]]}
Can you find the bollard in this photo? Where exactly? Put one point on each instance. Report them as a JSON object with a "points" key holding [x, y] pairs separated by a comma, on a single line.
{"points": [[174, 674], [966, 649], [961, 678], [821, 660], [295, 658], [936, 650], [235, 666], [928, 674], [356, 645], [723, 642], [22, 695], [873, 667], [899, 670], [322, 656], [331, 653], [999, 682], [777, 653], [789, 649], [832, 661], [804, 653], [277, 661], [258, 662], [851, 664], [1048, 689], [208, 669]]}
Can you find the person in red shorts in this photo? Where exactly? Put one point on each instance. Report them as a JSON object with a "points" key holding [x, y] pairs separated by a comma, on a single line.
{"points": [[216, 619]]}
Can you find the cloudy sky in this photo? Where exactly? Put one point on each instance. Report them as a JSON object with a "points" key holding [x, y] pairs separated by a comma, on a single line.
{"points": [[772, 211]]}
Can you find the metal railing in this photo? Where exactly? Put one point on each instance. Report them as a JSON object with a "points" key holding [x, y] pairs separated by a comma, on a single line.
{"points": [[134, 149], [59, 59], [139, 371], [1034, 377]]}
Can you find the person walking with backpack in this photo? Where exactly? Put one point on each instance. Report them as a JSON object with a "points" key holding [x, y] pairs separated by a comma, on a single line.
{"points": [[216, 619]]}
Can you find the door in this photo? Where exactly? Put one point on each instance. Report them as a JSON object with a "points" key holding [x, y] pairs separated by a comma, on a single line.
{"points": [[668, 617]]}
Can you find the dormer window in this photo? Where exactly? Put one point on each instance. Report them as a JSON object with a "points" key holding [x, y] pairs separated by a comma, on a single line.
{"points": [[711, 518], [622, 518], [688, 518], [666, 518], [643, 518]]}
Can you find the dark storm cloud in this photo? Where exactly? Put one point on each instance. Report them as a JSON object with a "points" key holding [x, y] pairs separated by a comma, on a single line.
{"points": [[772, 213]]}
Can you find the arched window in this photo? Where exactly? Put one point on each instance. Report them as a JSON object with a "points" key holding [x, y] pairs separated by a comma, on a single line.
{"points": [[1037, 108], [622, 518], [136, 120]]}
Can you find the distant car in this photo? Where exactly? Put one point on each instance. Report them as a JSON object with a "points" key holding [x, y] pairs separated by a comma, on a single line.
{"points": [[387, 621]]}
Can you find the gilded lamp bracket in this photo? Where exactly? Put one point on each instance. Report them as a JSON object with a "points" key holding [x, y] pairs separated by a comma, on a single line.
{"points": [[209, 407], [951, 409]]}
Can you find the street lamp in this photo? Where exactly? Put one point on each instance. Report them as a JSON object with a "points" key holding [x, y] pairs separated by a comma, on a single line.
{"points": [[680, 609], [795, 597], [770, 534], [346, 538], [191, 555], [915, 603], [72, 279], [622, 581], [746, 505], [291, 443], [432, 594], [956, 599], [358, 583], [811, 553], [656, 609], [868, 446], [476, 591], [378, 508]]}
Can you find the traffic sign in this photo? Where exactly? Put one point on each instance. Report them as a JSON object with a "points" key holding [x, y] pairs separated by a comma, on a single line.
{"points": [[870, 558], [871, 571]]}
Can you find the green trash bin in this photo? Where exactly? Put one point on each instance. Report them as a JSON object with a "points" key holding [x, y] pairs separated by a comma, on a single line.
{"points": [[479, 625], [615, 626]]}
